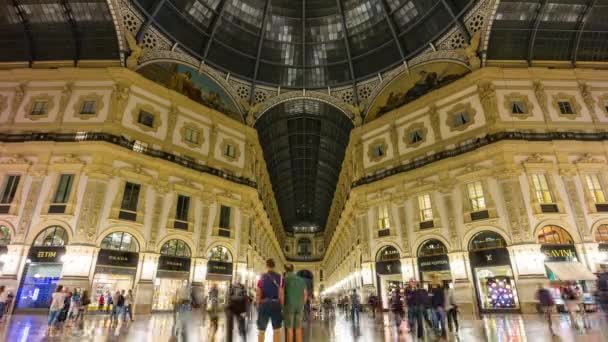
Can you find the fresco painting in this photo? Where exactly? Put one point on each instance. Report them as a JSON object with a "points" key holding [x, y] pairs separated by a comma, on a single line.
{"points": [[410, 86], [187, 81]]}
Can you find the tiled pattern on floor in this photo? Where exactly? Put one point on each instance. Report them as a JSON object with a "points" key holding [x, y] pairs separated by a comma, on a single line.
{"points": [[158, 327]]}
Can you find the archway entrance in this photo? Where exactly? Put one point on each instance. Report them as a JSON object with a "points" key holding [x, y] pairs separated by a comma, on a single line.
{"points": [[219, 272], [492, 273], [433, 263], [388, 272], [173, 272]]}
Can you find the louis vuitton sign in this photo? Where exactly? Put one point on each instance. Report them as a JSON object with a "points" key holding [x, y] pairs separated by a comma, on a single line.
{"points": [[388, 267], [490, 257], [434, 263]]}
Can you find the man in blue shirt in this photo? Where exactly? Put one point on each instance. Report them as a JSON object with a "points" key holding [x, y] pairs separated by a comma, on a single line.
{"points": [[270, 298]]}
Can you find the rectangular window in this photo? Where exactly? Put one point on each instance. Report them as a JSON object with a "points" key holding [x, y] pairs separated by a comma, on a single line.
{"points": [[39, 108], [460, 119], [89, 107], [62, 193], [541, 187], [595, 188], [416, 136], [230, 151], [145, 118], [130, 197], [378, 150], [383, 221], [565, 107], [10, 189], [225, 217], [476, 197], [191, 135], [182, 208], [425, 208]]}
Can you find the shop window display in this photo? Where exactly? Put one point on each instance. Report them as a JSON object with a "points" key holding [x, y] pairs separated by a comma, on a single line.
{"points": [[172, 274]]}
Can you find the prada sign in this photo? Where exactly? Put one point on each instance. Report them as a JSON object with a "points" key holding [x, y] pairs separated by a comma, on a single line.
{"points": [[388, 267], [434, 263], [108, 257], [219, 267], [46, 254], [559, 252], [490, 257], [167, 263]]}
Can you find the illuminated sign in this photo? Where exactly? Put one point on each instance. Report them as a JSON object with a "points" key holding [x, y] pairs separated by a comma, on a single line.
{"points": [[434, 263], [46, 254], [168, 263], [559, 252], [218, 267], [109, 257], [490, 257]]}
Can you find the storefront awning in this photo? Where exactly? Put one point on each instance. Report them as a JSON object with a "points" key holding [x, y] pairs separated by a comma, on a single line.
{"points": [[570, 271]]}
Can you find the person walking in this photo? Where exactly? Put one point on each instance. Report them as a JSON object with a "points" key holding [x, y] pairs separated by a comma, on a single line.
{"points": [[129, 306], [270, 298], [410, 291], [419, 299], [397, 307], [120, 305], [371, 302], [438, 309], [101, 302], [182, 314], [57, 299], [75, 304], [296, 296], [109, 302], [573, 297], [355, 306], [546, 304], [236, 309], [3, 300], [452, 309], [213, 302]]}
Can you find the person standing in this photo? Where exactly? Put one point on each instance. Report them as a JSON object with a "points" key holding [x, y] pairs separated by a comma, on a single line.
{"points": [[213, 302], [438, 309], [236, 309], [109, 302], [101, 302], [3, 299], [410, 291], [57, 299], [75, 304], [270, 298], [296, 295], [120, 305], [546, 303], [452, 309], [355, 304], [371, 302], [129, 306]]}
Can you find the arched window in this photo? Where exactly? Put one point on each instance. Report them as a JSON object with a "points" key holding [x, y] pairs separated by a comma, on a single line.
{"points": [[5, 236], [176, 248], [486, 240], [387, 253], [554, 235], [304, 246], [601, 234], [220, 253], [120, 241], [432, 247], [52, 236]]}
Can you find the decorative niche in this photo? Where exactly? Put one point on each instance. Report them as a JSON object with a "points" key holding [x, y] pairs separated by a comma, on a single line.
{"points": [[230, 149], [377, 150], [192, 135], [518, 105], [88, 106]]}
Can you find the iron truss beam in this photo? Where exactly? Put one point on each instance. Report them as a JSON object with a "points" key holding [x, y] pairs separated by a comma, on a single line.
{"points": [[348, 55], [27, 31], [139, 37], [391, 26], [259, 52], [75, 33], [581, 29], [537, 19], [214, 27], [457, 21]]}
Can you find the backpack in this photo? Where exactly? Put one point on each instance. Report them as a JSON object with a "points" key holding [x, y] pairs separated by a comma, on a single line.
{"points": [[545, 298], [238, 300]]}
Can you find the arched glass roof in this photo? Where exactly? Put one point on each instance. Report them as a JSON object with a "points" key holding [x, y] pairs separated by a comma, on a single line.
{"points": [[304, 43]]}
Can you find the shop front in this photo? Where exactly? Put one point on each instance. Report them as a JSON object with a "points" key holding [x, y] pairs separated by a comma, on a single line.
{"points": [[5, 240], [434, 263], [562, 265], [115, 270], [601, 237], [172, 274], [42, 270], [492, 273], [388, 272], [219, 272]]}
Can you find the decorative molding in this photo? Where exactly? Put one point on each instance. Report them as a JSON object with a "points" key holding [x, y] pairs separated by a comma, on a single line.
{"points": [[513, 97], [342, 106], [99, 104], [460, 108], [407, 134], [602, 102], [576, 107], [3, 103], [149, 109], [196, 128], [29, 106], [382, 144]]}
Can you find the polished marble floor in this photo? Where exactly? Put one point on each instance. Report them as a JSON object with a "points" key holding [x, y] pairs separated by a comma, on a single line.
{"points": [[158, 327]]}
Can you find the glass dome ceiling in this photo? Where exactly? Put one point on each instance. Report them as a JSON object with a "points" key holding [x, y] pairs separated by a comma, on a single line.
{"points": [[304, 43]]}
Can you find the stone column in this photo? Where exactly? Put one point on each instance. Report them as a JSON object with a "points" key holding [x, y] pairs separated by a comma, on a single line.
{"points": [[518, 216], [14, 261], [29, 208], [408, 269], [528, 264], [464, 289], [567, 175], [92, 204], [77, 263], [446, 189], [144, 291], [159, 201]]}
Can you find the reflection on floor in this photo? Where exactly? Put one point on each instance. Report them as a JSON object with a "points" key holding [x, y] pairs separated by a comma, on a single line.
{"points": [[158, 327]]}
